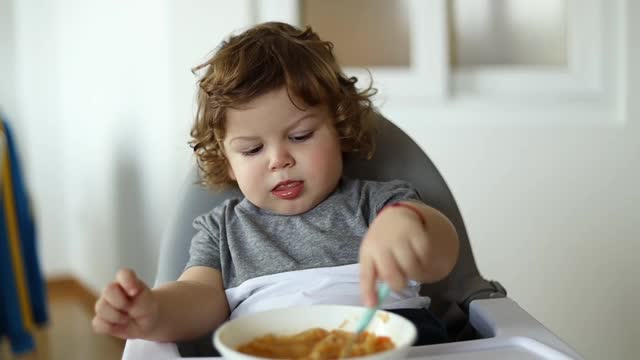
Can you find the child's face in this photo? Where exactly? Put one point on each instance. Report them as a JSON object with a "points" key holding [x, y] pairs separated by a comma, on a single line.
{"points": [[284, 159]]}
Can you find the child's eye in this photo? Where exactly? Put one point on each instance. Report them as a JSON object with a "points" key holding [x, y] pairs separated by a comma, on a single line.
{"points": [[302, 137], [252, 151]]}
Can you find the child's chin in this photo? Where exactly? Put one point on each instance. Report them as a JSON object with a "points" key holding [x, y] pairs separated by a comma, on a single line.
{"points": [[292, 209]]}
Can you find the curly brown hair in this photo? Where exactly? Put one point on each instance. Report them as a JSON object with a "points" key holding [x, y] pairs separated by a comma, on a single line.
{"points": [[264, 58]]}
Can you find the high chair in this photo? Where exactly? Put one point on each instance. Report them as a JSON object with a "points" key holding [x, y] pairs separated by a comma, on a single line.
{"points": [[482, 321]]}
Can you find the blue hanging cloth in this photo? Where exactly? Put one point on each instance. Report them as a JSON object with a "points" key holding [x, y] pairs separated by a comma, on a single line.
{"points": [[23, 300]]}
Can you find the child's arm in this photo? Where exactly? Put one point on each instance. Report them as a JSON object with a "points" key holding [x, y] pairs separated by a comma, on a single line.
{"points": [[411, 241], [184, 309]]}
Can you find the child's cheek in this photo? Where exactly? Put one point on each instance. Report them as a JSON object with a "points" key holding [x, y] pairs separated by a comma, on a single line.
{"points": [[322, 157]]}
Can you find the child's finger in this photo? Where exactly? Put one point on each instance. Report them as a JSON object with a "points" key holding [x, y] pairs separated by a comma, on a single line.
{"points": [[142, 304], [390, 272], [421, 250], [115, 296], [368, 281], [407, 261], [101, 326], [129, 281], [110, 314]]}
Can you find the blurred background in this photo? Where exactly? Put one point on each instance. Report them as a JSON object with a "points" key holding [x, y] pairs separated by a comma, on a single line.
{"points": [[529, 109]]}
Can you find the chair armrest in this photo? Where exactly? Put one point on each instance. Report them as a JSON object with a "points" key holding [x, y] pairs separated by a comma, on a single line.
{"points": [[493, 290], [507, 332], [503, 318]]}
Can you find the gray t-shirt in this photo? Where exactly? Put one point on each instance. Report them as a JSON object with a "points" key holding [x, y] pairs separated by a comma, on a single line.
{"points": [[245, 242]]}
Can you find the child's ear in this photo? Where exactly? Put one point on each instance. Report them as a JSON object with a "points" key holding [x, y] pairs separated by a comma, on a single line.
{"points": [[231, 174]]}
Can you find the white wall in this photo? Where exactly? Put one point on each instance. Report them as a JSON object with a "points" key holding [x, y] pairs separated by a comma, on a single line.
{"points": [[102, 97], [36, 118], [553, 216], [115, 111], [7, 60]]}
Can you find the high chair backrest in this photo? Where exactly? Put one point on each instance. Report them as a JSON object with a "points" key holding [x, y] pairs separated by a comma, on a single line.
{"points": [[396, 157]]}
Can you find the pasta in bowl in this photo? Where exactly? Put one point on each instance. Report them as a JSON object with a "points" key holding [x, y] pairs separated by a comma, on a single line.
{"points": [[314, 332]]}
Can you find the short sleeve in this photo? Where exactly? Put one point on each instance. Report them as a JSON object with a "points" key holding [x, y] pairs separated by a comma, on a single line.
{"points": [[205, 244], [381, 194]]}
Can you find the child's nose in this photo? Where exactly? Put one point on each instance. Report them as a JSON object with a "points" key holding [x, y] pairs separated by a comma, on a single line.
{"points": [[281, 159]]}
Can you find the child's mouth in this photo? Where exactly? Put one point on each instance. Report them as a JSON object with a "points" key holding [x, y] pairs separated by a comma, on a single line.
{"points": [[288, 190]]}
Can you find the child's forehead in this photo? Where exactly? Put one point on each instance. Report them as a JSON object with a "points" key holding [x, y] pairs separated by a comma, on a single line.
{"points": [[271, 112], [279, 103]]}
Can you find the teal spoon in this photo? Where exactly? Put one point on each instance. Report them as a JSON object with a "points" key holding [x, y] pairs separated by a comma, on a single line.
{"points": [[383, 292]]}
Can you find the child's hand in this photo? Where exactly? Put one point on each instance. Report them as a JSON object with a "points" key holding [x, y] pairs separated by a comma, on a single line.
{"points": [[126, 309], [394, 249]]}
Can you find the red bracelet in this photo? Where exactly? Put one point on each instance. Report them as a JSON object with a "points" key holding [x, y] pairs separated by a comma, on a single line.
{"points": [[410, 207]]}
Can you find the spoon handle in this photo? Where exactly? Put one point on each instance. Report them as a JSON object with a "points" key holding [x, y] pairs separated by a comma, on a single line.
{"points": [[383, 292]]}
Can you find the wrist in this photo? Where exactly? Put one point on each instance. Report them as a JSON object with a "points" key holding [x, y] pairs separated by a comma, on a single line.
{"points": [[151, 321], [410, 207]]}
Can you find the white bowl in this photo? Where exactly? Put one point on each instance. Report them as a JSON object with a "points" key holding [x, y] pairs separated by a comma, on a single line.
{"points": [[289, 321]]}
